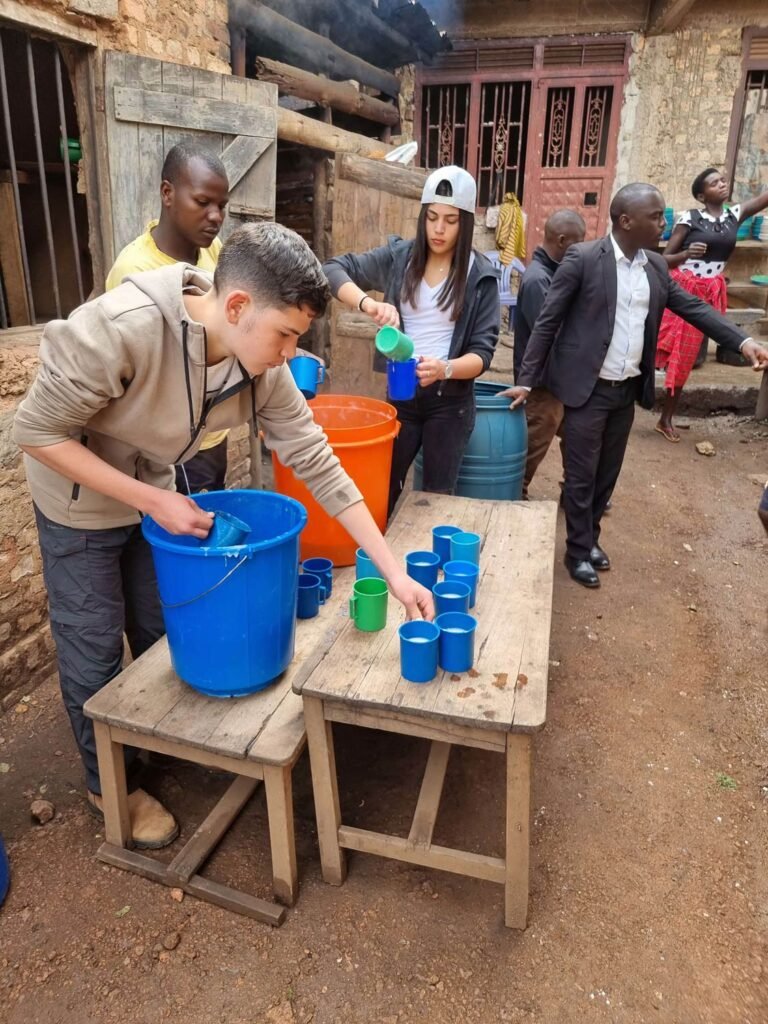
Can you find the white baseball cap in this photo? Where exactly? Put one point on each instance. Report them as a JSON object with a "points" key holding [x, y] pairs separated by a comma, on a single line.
{"points": [[463, 188]]}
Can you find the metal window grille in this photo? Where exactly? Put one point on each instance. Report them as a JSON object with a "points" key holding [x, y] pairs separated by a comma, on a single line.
{"points": [[445, 123], [504, 110], [44, 264], [596, 121], [559, 125]]}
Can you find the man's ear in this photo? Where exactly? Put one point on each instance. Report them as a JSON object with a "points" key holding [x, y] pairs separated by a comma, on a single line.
{"points": [[237, 304], [166, 192]]}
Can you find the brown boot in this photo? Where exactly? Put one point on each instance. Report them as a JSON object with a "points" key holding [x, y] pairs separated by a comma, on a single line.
{"points": [[152, 827]]}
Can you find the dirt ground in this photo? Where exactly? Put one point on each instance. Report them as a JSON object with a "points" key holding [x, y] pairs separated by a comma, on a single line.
{"points": [[649, 882]]}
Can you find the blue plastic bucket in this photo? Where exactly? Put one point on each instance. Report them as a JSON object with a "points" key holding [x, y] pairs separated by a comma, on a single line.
{"points": [[230, 612], [493, 466]]}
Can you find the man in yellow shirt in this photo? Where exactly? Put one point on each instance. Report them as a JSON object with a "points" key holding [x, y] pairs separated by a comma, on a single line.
{"points": [[194, 192]]}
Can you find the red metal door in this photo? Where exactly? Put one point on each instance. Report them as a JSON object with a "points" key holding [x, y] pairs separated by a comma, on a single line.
{"points": [[574, 127]]}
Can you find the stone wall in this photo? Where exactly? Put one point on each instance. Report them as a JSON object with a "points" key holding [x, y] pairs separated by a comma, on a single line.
{"points": [[192, 32]]}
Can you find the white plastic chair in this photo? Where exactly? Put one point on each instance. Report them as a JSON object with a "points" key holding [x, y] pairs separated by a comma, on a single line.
{"points": [[506, 296]]}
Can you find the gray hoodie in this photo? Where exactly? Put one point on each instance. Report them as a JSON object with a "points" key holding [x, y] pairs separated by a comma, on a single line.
{"points": [[126, 376]]}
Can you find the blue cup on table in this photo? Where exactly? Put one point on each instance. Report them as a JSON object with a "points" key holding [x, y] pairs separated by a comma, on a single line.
{"points": [[465, 547], [463, 572], [227, 531], [423, 567], [441, 541], [401, 379], [308, 373], [322, 567], [312, 594], [451, 596], [456, 646], [418, 650], [365, 569]]}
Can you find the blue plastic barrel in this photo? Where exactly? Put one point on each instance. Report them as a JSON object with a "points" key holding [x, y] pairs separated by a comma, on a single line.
{"points": [[5, 872], [494, 461], [230, 613]]}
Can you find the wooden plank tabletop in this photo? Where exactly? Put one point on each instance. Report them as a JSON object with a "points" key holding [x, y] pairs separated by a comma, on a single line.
{"points": [[148, 697], [507, 689]]}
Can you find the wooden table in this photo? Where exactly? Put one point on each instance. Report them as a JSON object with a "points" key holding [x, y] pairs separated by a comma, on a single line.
{"points": [[254, 738], [496, 706]]}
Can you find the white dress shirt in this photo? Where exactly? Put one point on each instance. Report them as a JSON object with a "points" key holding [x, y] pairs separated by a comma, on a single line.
{"points": [[633, 293]]}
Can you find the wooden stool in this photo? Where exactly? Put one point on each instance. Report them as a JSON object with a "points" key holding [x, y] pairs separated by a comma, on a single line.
{"points": [[255, 737], [495, 706]]}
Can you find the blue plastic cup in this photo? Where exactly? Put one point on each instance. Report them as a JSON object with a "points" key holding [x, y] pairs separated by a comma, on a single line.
{"points": [[401, 379], [308, 373], [227, 531], [465, 547], [365, 569], [451, 596], [418, 650], [456, 646], [441, 541], [423, 567], [322, 567], [312, 594], [464, 572]]}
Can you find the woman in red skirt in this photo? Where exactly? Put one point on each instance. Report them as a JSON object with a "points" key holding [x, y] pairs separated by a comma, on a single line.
{"points": [[700, 246]]}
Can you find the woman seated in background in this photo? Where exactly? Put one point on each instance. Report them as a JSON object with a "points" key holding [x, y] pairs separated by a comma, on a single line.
{"points": [[697, 252], [445, 296]]}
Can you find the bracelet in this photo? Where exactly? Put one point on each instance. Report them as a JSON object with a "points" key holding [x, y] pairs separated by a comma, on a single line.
{"points": [[360, 303]]}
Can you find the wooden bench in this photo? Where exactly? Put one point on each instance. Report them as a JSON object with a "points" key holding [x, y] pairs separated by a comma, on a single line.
{"points": [[259, 737], [355, 678]]}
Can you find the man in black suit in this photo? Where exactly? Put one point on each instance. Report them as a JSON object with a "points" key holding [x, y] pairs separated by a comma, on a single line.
{"points": [[594, 346]]}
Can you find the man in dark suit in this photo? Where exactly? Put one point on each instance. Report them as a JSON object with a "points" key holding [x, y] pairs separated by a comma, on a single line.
{"points": [[594, 346]]}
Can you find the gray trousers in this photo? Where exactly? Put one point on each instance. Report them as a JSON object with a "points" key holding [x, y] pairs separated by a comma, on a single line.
{"points": [[101, 584]]}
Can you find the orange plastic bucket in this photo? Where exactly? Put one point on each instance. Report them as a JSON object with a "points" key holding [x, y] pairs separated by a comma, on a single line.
{"points": [[361, 432]]}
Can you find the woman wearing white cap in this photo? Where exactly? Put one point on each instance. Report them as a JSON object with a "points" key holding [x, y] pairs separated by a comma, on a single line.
{"points": [[444, 295]]}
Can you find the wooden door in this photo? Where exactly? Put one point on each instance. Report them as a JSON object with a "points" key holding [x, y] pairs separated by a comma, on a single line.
{"points": [[575, 125], [371, 200], [151, 105]]}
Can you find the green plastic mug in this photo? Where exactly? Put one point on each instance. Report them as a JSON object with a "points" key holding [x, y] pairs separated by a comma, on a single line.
{"points": [[394, 344], [368, 604]]}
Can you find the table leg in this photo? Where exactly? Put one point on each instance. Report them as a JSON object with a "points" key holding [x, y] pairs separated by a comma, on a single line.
{"points": [[326, 790], [518, 829], [114, 790], [277, 782]]}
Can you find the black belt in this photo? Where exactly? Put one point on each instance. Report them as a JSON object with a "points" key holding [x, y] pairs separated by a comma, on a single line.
{"points": [[616, 383]]}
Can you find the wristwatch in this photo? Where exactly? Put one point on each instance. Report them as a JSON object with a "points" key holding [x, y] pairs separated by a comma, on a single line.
{"points": [[448, 369]]}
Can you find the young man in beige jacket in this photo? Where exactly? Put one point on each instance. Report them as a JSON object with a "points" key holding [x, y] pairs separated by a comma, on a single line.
{"points": [[127, 387]]}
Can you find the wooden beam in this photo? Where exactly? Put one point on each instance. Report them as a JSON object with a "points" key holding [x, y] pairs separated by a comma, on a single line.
{"points": [[145, 106], [241, 154], [407, 182], [22, 16], [308, 49], [238, 52], [293, 127], [339, 95], [11, 260], [666, 15]]}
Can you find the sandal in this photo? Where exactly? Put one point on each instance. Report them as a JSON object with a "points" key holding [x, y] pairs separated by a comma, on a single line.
{"points": [[669, 433]]}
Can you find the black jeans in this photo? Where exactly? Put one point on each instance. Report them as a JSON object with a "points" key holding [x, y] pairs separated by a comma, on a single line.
{"points": [[596, 436], [441, 426], [205, 471], [101, 583]]}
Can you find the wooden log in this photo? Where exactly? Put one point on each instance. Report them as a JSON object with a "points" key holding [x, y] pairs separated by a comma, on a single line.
{"points": [[407, 182], [308, 49], [339, 95], [238, 52], [293, 127]]}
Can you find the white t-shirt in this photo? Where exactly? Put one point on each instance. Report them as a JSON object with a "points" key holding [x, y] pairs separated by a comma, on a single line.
{"points": [[429, 327]]}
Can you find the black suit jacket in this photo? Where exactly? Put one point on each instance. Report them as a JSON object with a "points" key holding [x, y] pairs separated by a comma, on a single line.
{"points": [[573, 331]]}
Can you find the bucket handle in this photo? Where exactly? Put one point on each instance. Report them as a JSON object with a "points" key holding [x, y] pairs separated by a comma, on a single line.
{"points": [[191, 600]]}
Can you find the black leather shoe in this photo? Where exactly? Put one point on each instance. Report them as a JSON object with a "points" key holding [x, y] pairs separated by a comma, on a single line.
{"points": [[582, 572], [599, 559]]}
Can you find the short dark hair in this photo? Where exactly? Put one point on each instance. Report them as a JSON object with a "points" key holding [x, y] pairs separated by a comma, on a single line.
{"points": [[275, 265], [559, 222], [181, 155], [697, 186], [628, 196]]}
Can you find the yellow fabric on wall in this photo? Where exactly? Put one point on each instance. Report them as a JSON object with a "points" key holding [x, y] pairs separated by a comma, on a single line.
{"points": [[510, 233]]}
